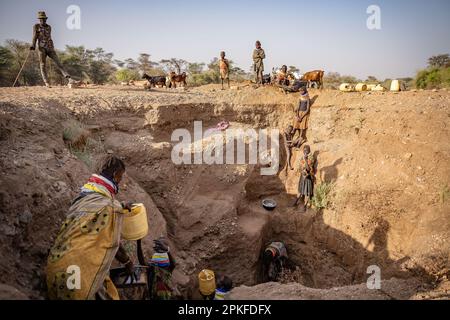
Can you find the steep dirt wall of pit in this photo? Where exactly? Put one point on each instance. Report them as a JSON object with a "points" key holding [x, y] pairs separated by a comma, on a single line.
{"points": [[387, 156], [369, 221], [170, 117], [39, 179]]}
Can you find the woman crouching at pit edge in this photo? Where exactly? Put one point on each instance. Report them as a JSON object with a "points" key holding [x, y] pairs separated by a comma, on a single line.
{"points": [[79, 261]]}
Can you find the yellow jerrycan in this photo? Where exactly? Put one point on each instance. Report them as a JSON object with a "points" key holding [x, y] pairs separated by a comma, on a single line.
{"points": [[206, 282], [135, 224]]}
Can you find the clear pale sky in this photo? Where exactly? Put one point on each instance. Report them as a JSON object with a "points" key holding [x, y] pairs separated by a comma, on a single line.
{"points": [[314, 34]]}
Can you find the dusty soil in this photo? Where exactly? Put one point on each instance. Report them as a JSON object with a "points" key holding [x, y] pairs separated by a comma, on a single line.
{"points": [[387, 155]]}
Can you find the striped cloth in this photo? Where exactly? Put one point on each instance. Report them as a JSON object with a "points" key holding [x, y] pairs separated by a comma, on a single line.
{"points": [[160, 259], [99, 184], [220, 295]]}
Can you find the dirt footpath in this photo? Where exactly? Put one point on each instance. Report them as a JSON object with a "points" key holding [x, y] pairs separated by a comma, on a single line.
{"points": [[386, 157]]}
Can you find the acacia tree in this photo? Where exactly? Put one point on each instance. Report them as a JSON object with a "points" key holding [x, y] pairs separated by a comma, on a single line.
{"points": [[195, 68], [172, 64], [100, 65], [439, 61], [76, 61], [293, 69], [19, 50], [131, 64], [6, 58], [145, 64]]}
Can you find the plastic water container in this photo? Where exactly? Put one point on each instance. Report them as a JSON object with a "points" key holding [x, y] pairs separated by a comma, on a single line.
{"points": [[206, 282], [379, 87], [135, 224], [361, 87], [395, 85], [346, 87]]}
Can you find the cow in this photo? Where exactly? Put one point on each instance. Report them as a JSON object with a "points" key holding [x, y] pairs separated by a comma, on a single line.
{"points": [[314, 76], [174, 79], [155, 80]]}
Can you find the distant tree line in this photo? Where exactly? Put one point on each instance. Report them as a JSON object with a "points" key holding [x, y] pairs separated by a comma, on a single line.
{"points": [[99, 67], [95, 66]]}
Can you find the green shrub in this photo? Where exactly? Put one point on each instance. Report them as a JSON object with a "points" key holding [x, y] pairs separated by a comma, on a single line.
{"points": [[83, 155], [433, 78], [199, 79], [75, 135], [445, 194], [80, 144], [445, 77], [126, 75], [321, 195]]}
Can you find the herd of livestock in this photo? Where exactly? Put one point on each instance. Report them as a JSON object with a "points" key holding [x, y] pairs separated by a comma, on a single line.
{"points": [[172, 80]]}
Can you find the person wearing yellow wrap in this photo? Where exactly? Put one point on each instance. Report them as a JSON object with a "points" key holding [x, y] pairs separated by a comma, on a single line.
{"points": [[79, 261]]}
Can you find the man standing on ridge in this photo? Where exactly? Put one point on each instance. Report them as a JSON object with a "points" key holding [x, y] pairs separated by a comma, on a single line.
{"points": [[42, 35], [258, 66], [224, 69]]}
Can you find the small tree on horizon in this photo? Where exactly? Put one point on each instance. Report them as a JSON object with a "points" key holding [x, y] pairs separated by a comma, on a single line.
{"points": [[293, 69], [174, 64], [439, 61], [195, 68], [145, 64]]}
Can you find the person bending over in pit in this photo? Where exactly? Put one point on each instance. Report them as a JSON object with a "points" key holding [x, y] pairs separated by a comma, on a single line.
{"points": [[274, 260], [89, 239], [307, 178], [224, 285], [162, 265], [294, 85], [290, 143]]}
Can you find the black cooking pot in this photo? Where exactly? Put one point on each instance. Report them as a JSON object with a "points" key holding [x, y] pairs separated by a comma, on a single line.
{"points": [[269, 204]]}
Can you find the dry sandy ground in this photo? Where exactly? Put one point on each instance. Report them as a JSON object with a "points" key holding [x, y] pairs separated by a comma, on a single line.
{"points": [[387, 156]]}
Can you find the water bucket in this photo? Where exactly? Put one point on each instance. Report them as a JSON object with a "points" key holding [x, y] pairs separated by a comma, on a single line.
{"points": [[379, 87], [395, 85], [361, 87], [206, 282], [135, 225], [346, 87]]}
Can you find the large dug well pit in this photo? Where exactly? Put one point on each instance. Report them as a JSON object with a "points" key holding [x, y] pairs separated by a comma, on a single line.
{"points": [[215, 218], [213, 215]]}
